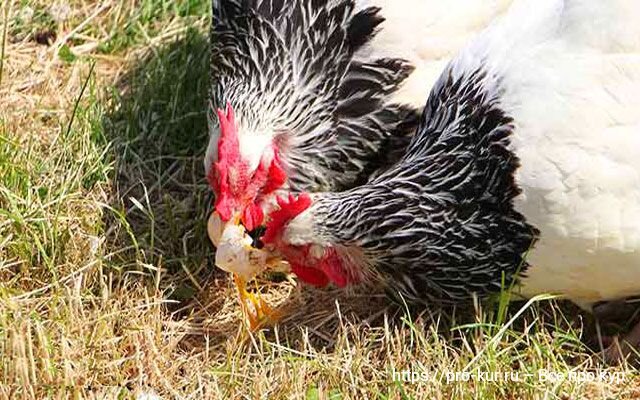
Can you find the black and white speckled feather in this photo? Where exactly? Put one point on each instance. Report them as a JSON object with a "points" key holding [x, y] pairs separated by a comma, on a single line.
{"points": [[288, 69], [440, 225], [528, 144]]}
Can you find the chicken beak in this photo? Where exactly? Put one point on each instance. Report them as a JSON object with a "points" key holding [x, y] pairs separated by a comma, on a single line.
{"points": [[235, 254], [215, 228]]}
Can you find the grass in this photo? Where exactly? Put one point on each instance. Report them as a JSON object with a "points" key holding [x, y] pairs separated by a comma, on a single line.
{"points": [[107, 284]]}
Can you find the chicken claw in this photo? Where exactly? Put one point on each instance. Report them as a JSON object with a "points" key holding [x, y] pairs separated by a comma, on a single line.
{"points": [[257, 311], [235, 254]]}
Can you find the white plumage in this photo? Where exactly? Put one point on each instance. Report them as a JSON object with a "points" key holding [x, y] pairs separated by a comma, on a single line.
{"points": [[428, 33], [571, 75]]}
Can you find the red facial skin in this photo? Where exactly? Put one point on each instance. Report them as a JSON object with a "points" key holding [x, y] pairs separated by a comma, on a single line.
{"points": [[239, 191], [330, 267], [236, 189]]}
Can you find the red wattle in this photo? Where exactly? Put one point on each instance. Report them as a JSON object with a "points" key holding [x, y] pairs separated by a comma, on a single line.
{"points": [[276, 176], [252, 217], [224, 206], [289, 209], [311, 276], [331, 265]]}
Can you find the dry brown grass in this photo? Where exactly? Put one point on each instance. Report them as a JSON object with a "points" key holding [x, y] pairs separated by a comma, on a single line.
{"points": [[107, 286]]}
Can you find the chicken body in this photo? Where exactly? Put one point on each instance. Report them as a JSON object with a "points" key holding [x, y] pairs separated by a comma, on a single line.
{"points": [[333, 86], [524, 166], [318, 94]]}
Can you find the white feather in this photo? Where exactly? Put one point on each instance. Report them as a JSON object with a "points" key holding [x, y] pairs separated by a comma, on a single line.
{"points": [[571, 75], [428, 33]]}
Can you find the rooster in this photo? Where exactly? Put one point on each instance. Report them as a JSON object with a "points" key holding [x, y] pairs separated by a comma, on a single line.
{"points": [[524, 169], [312, 96]]}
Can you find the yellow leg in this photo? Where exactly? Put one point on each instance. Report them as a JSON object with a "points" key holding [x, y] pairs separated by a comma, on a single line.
{"points": [[257, 311]]}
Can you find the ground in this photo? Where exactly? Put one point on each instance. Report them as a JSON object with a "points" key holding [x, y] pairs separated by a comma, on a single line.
{"points": [[107, 283]]}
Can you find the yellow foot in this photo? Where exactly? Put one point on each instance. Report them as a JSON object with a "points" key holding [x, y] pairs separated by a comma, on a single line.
{"points": [[257, 311]]}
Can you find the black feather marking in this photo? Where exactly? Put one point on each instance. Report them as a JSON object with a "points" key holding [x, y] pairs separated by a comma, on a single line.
{"points": [[363, 27], [440, 225], [377, 78], [299, 54]]}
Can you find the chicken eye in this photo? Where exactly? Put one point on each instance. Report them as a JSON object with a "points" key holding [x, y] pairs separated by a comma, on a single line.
{"points": [[255, 236]]}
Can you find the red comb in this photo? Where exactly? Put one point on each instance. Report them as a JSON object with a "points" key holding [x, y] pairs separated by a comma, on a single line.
{"points": [[235, 188], [289, 209], [332, 266], [230, 170], [228, 145]]}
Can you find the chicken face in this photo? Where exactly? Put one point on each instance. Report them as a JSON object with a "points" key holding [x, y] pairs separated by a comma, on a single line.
{"points": [[239, 193], [313, 263], [238, 189]]}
